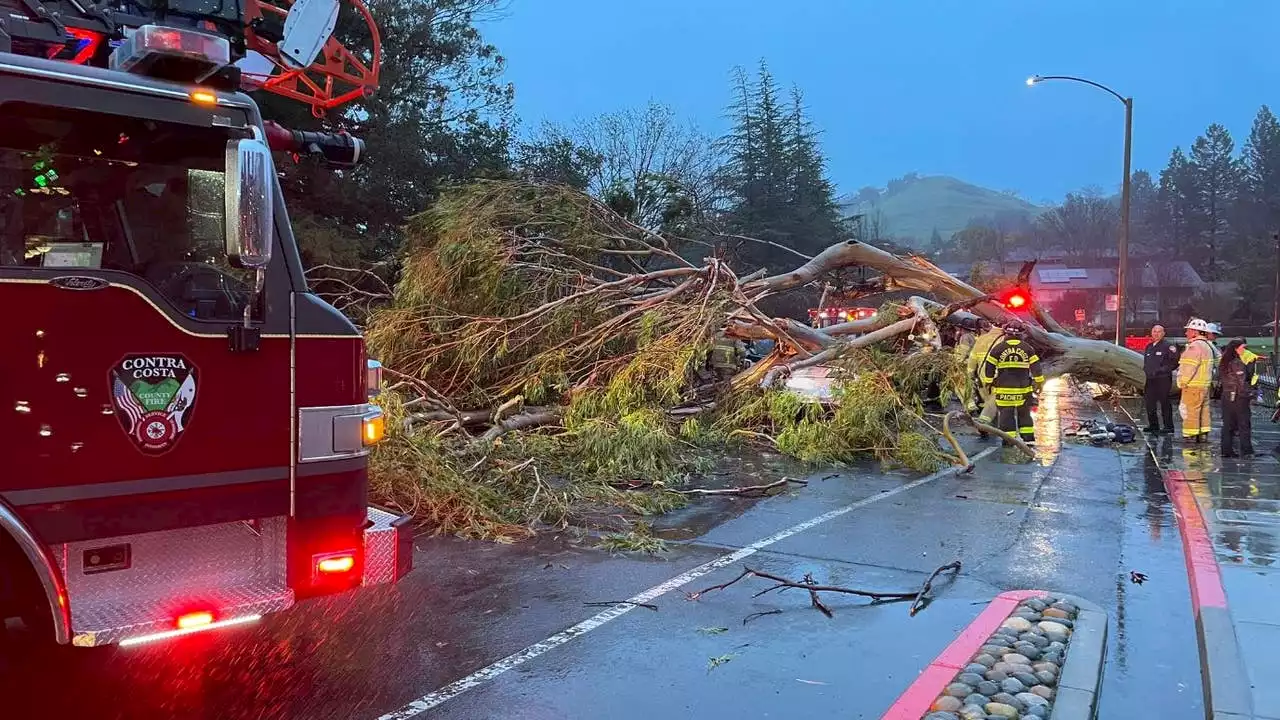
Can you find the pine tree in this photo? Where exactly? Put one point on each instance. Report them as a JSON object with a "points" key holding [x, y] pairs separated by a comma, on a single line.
{"points": [[814, 215], [1144, 209], [1258, 214], [775, 172], [1176, 196], [1260, 170], [1217, 182]]}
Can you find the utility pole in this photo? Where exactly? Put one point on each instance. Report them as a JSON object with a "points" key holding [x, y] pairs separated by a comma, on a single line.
{"points": [[1123, 269], [1124, 224]]}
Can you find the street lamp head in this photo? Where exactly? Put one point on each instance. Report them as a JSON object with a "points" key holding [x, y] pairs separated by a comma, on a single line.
{"points": [[1033, 80]]}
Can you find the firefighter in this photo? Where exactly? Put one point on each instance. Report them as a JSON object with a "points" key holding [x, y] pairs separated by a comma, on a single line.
{"points": [[1012, 370], [727, 356], [1159, 361], [1215, 386], [1195, 375], [982, 397], [1239, 373]]}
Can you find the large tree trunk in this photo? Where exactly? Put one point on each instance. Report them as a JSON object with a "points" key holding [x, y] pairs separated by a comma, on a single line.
{"points": [[1061, 353]]}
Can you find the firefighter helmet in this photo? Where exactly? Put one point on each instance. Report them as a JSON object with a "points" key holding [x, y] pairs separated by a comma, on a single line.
{"points": [[1015, 328], [1215, 328], [1198, 325]]}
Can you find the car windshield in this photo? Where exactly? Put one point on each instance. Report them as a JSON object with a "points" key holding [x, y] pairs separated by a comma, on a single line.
{"points": [[105, 192]]}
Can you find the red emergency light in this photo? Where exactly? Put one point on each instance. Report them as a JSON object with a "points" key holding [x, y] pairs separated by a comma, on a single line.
{"points": [[1015, 300], [83, 45]]}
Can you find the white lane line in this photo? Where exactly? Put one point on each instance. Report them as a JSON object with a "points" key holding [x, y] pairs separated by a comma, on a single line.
{"points": [[479, 677]]}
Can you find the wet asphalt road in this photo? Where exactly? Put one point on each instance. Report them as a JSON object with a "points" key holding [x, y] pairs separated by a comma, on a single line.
{"points": [[1077, 521]]}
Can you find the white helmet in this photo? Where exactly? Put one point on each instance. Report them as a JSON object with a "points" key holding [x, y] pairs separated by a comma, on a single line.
{"points": [[1215, 328], [1198, 324]]}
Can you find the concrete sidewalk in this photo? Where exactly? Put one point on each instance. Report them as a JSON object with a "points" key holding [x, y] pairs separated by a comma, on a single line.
{"points": [[1229, 512]]}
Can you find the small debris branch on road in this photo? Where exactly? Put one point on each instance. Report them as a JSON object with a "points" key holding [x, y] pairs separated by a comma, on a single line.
{"points": [[747, 490], [611, 603], [922, 598], [808, 584]]}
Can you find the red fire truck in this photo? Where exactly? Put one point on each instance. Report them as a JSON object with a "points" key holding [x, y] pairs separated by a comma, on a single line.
{"points": [[184, 427]]}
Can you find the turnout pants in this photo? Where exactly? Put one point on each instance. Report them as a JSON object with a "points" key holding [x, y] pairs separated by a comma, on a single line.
{"points": [[1156, 395], [1195, 423], [1014, 412], [988, 401], [1237, 419]]}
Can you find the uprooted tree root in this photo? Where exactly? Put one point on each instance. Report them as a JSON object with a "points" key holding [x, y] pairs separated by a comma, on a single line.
{"points": [[548, 358], [919, 598]]}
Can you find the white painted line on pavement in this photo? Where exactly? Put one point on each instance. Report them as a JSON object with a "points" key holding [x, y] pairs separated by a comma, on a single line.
{"points": [[479, 677]]}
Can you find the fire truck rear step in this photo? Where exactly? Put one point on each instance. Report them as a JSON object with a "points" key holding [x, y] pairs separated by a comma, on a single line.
{"points": [[231, 570]]}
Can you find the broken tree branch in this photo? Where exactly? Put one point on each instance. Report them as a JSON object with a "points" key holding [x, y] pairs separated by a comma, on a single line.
{"points": [[922, 601], [808, 585], [741, 490], [962, 459], [518, 422], [1004, 435]]}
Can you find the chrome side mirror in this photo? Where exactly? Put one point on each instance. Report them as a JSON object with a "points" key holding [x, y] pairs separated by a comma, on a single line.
{"points": [[250, 215]]}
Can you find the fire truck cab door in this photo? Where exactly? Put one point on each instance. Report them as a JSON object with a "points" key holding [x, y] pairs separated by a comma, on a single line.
{"points": [[123, 407]]}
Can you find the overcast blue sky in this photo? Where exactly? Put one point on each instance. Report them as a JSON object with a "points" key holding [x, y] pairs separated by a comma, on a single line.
{"points": [[928, 86]]}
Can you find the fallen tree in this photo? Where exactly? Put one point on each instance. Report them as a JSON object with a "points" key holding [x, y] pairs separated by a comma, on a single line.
{"points": [[549, 354]]}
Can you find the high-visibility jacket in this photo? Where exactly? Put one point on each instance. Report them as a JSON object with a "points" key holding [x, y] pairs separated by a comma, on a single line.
{"points": [[726, 354], [981, 347], [1012, 368], [1195, 366]]}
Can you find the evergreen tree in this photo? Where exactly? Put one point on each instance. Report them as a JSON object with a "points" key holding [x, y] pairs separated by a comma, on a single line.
{"points": [[1258, 216], [814, 214], [1217, 183], [775, 177], [1144, 210], [1176, 206], [1260, 170]]}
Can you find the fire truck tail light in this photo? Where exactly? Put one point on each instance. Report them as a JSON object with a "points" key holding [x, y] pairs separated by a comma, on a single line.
{"points": [[374, 426], [181, 631], [335, 563], [194, 620]]}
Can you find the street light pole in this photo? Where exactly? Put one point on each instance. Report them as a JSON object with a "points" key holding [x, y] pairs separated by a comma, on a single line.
{"points": [[1124, 194], [1124, 224]]}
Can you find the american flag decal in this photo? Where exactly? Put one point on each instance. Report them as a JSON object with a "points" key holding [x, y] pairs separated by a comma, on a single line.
{"points": [[127, 403]]}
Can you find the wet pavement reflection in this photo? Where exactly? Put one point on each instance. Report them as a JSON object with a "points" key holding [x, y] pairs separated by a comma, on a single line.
{"points": [[1075, 520], [1239, 499]]}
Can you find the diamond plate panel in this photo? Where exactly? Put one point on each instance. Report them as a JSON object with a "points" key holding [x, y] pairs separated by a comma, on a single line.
{"points": [[235, 569], [380, 548]]}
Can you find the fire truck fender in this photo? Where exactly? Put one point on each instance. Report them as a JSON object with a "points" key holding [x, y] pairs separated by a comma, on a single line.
{"points": [[44, 567]]}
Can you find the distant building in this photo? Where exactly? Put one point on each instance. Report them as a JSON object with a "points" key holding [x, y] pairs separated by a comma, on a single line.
{"points": [[1155, 290]]}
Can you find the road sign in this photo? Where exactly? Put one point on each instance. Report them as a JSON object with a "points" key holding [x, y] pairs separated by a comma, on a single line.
{"points": [[1079, 314], [1113, 303]]}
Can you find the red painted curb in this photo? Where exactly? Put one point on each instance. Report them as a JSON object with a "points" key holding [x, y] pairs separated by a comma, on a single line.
{"points": [[916, 700], [1202, 565]]}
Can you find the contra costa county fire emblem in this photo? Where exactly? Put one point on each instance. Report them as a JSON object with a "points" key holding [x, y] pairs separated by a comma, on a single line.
{"points": [[154, 396]]}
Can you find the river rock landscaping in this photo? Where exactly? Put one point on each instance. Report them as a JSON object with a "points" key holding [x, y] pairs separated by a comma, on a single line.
{"points": [[1014, 675]]}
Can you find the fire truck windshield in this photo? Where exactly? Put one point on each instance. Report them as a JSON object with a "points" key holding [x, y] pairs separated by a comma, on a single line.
{"points": [[106, 192]]}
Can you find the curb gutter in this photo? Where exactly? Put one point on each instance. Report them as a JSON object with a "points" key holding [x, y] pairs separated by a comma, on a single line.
{"points": [[1076, 697], [1227, 692]]}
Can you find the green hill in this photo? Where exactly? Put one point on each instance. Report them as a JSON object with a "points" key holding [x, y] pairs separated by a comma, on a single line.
{"points": [[913, 206]]}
